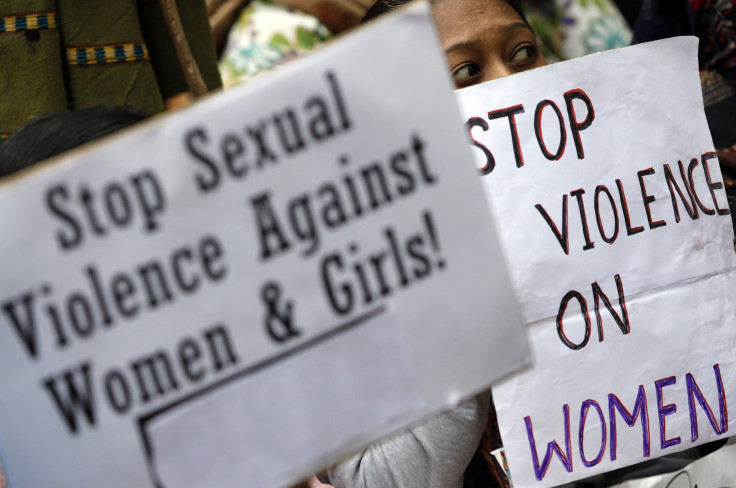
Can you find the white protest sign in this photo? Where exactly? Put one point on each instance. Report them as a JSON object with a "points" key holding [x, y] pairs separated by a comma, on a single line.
{"points": [[244, 291], [609, 199]]}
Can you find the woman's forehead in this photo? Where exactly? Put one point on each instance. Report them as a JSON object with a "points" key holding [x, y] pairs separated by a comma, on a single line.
{"points": [[466, 19]]}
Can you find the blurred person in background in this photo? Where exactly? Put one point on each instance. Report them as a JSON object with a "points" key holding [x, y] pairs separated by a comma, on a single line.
{"points": [[569, 29], [74, 54], [255, 36]]}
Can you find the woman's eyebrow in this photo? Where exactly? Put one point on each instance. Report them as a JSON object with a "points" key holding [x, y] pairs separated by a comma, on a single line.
{"points": [[461, 45], [506, 29], [502, 30]]}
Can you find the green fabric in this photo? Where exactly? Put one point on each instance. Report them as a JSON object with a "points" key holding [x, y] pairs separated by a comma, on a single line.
{"points": [[125, 84], [31, 78], [21, 59], [85, 23], [37, 78], [9, 7], [95, 23]]}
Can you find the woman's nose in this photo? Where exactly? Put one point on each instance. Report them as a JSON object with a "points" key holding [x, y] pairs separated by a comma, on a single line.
{"points": [[497, 69]]}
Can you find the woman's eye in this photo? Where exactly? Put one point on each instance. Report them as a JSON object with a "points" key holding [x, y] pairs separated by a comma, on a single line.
{"points": [[465, 72], [525, 54]]}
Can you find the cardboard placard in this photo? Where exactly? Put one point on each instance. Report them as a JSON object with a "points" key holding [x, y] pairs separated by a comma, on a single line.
{"points": [[246, 290], [610, 204]]}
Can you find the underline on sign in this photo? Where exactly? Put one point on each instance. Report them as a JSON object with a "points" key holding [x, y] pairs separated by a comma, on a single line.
{"points": [[255, 368]]}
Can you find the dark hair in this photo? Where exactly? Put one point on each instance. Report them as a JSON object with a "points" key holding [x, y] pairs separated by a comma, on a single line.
{"points": [[56, 133], [380, 7]]}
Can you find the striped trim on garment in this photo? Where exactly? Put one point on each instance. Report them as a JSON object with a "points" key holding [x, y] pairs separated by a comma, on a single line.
{"points": [[107, 53], [29, 21]]}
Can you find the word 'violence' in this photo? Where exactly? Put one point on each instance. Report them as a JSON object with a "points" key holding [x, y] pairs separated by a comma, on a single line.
{"points": [[109, 298], [682, 190]]}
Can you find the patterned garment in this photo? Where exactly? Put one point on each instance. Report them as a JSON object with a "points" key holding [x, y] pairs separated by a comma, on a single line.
{"points": [[714, 23], [265, 36], [70, 54], [572, 28]]}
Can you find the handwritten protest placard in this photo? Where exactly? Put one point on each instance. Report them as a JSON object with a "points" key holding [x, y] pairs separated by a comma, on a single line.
{"points": [[244, 291], [608, 195]]}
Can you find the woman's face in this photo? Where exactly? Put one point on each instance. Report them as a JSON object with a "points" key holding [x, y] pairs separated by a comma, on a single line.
{"points": [[484, 40]]}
